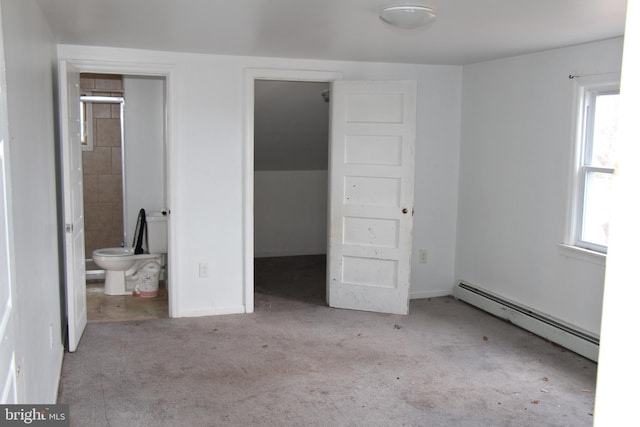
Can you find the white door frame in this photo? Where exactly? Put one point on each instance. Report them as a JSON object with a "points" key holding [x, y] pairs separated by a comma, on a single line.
{"points": [[151, 70], [10, 391], [251, 75]]}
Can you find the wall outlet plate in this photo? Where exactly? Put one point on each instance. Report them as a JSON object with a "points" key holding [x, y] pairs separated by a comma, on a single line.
{"points": [[203, 269]]}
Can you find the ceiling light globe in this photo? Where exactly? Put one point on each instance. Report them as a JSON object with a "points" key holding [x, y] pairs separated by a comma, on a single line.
{"points": [[408, 17]]}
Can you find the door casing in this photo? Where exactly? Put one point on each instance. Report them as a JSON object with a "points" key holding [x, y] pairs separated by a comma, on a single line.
{"points": [[168, 73], [251, 75]]}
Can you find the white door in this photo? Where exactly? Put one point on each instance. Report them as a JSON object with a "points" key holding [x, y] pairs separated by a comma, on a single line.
{"points": [[8, 392], [73, 204], [371, 195]]}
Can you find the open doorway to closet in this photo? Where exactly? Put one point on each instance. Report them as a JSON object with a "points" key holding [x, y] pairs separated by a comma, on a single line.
{"points": [[291, 152], [370, 190]]}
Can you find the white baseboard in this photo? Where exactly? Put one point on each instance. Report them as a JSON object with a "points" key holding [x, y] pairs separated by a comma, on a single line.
{"points": [[429, 294], [58, 364], [561, 333], [215, 311]]}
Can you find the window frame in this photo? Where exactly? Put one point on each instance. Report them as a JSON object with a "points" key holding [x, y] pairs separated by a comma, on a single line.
{"points": [[587, 89], [86, 124]]}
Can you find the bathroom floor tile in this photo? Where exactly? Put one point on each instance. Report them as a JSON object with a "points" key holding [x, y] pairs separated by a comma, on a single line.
{"points": [[120, 308]]}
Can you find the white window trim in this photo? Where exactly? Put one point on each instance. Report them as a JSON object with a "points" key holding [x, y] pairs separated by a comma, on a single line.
{"points": [[583, 86], [582, 254]]}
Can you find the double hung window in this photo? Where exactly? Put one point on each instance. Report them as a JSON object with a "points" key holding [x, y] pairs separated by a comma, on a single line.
{"points": [[597, 139]]}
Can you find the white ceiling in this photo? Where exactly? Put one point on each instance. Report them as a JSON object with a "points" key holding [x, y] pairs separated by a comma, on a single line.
{"points": [[466, 31]]}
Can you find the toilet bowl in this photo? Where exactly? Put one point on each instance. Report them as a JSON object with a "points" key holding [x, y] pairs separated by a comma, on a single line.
{"points": [[119, 263]]}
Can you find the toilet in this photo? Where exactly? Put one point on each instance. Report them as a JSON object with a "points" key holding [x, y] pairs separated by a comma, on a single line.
{"points": [[120, 263]]}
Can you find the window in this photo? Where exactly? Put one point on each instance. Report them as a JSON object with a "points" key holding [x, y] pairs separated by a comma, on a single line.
{"points": [[86, 125], [597, 138]]}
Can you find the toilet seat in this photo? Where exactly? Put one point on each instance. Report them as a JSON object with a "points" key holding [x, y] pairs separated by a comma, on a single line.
{"points": [[127, 253], [119, 263], [107, 252]]}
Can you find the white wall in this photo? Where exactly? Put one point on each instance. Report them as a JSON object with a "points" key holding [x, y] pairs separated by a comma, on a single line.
{"points": [[30, 60], [144, 147], [207, 161], [291, 126], [290, 213], [515, 163]]}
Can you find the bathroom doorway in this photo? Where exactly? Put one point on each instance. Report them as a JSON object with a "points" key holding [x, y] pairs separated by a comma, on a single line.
{"points": [[291, 144], [71, 183], [124, 158]]}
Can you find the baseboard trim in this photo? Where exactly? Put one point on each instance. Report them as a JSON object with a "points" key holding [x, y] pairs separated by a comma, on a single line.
{"points": [[429, 294], [56, 386], [215, 311], [556, 331]]}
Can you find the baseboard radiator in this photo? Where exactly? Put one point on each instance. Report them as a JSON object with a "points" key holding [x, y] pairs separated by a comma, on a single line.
{"points": [[560, 333]]}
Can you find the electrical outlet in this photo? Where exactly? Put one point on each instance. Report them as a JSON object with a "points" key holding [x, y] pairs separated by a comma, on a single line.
{"points": [[423, 256], [204, 269]]}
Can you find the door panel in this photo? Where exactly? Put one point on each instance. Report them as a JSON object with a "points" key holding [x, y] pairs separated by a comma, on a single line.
{"points": [[371, 195], [74, 212]]}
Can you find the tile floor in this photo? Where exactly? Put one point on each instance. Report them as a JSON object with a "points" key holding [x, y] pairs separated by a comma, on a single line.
{"points": [[119, 308]]}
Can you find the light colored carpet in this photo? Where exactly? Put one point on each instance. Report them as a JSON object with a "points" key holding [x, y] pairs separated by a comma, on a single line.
{"points": [[299, 363]]}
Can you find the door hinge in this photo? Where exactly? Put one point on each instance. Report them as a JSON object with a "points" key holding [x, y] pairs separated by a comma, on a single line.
{"points": [[68, 228]]}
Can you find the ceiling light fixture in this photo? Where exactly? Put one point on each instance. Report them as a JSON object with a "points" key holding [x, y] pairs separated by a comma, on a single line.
{"points": [[408, 17]]}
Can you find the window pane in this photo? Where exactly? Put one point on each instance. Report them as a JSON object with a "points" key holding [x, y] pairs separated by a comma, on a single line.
{"points": [[605, 130], [597, 208]]}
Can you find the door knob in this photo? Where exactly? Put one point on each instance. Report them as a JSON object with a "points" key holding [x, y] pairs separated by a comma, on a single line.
{"points": [[405, 210]]}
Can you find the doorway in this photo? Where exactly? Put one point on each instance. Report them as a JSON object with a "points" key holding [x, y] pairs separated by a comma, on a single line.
{"points": [[123, 172], [74, 287], [370, 197], [291, 150], [251, 77], [371, 166]]}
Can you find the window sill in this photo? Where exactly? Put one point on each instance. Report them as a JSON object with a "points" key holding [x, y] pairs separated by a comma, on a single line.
{"points": [[583, 254]]}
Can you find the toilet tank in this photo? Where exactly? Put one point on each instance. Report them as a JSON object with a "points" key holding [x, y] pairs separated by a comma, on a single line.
{"points": [[157, 232]]}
